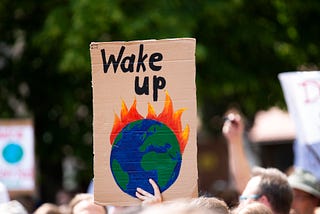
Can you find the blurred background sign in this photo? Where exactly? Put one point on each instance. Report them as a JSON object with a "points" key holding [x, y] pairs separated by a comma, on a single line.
{"points": [[302, 94], [17, 155]]}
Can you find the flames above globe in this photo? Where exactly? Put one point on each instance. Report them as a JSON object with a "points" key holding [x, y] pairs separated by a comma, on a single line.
{"points": [[168, 116]]}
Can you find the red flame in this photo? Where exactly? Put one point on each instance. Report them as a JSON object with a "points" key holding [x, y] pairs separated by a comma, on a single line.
{"points": [[167, 116]]}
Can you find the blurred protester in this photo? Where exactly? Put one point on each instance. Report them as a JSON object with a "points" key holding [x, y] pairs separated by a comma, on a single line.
{"points": [[305, 185], [181, 206], [48, 208], [12, 207], [63, 197], [268, 186], [83, 203], [27, 201], [211, 203], [253, 208], [153, 203], [233, 130], [306, 188]]}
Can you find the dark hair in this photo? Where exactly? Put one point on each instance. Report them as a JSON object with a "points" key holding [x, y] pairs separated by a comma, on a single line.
{"points": [[274, 185]]}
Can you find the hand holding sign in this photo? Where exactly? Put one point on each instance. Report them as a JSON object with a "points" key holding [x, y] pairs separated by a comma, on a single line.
{"points": [[146, 197]]}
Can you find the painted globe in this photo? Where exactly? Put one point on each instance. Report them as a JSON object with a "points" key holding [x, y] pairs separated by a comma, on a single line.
{"points": [[145, 149]]}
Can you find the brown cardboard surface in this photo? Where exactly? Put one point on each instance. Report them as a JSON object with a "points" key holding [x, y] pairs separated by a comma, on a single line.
{"points": [[171, 64]]}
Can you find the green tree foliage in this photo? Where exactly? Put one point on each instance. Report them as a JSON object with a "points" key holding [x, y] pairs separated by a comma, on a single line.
{"points": [[45, 66]]}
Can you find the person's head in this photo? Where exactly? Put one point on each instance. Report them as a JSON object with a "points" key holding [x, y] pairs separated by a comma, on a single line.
{"points": [[306, 189], [211, 203], [268, 186], [48, 208], [84, 203], [13, 206], [253, 208], [180, 206]]}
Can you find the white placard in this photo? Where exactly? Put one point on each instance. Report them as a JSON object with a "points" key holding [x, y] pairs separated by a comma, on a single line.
{"points": [[302, 95], [17, 155]]}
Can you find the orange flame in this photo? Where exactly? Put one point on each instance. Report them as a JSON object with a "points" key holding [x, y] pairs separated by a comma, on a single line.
{"points": [[167, 116]]}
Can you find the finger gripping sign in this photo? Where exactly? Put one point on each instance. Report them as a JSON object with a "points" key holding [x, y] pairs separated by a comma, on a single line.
{"points": [[144, 119]]}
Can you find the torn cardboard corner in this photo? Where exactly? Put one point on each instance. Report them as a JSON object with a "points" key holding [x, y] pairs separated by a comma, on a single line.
{"points": [[144, 119]]}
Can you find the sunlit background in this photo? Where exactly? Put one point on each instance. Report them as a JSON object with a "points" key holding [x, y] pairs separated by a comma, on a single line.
{"points": [[242, 45]]}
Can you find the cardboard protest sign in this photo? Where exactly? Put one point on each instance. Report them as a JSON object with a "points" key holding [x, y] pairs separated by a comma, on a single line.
{"points": [[17, 155], [144, 119], [302, 95]]}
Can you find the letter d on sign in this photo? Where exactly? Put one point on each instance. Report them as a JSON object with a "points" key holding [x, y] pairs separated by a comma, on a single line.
{"points": [[311, 90]]}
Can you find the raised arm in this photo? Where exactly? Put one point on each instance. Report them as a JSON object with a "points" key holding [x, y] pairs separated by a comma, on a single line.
{"points": [[233, 130]]}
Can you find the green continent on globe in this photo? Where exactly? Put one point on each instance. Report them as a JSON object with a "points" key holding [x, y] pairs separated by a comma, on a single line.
{"points": [[119, 173], [164, 160], [163, 166]]}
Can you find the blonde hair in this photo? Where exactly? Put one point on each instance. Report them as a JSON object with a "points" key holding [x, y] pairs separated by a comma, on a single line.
{"points": [[78, 198], [48, 208], [253, 208], [211, 203]]}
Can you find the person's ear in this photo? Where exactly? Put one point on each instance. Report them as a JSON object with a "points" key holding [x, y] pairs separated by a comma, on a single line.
{"points": [[264, 200]]}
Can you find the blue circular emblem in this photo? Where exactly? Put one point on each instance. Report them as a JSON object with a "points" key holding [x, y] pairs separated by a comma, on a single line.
{"points": [[12, 153]]}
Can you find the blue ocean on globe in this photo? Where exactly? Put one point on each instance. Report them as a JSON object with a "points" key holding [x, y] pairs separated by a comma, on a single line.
{"points": [[145, 149]]}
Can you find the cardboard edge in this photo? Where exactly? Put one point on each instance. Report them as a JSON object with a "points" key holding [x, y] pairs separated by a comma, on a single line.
{"points": [[94, 45], [14, 122]]}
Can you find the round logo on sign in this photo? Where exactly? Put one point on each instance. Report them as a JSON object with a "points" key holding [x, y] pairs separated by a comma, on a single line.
{"points": [[12, 153]]}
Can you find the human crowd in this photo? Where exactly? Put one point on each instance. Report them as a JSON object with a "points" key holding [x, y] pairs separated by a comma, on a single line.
{"points": [[263, 190]]}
